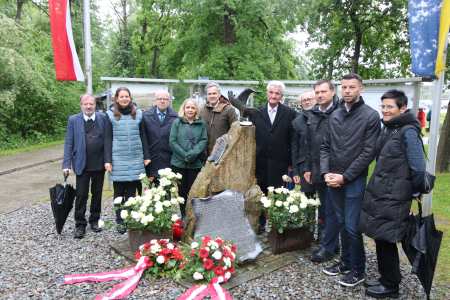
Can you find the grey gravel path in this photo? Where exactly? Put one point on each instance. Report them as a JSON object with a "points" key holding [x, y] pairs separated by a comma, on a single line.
{"points": [[32, 260]]}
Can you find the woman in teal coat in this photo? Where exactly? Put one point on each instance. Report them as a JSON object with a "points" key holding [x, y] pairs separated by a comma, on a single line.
{"points": [[185, 158]]}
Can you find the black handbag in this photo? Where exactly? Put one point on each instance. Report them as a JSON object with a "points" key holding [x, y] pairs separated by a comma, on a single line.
{"points": [[202, 156]]}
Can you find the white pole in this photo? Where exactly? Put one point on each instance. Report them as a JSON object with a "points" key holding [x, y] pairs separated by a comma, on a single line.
{"points": [[434, 132], [87, 45]]}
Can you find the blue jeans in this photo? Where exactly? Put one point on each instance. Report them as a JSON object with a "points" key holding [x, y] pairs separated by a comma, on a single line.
{"points": [[347, 201], [332, 224]]}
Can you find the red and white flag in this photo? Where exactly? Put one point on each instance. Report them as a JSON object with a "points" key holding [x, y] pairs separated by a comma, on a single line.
{"points": [[67, 65]]}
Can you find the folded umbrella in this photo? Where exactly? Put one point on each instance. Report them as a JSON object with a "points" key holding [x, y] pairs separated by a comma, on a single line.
{"points": [[61, 199], [421, 246]]}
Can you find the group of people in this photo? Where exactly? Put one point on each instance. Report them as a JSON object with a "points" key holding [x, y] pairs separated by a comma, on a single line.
{"points": [[127, 142], [334, 143], [328, 148]]}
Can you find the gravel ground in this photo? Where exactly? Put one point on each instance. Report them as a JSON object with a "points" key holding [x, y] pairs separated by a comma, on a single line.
{"points": [[32, 260]]}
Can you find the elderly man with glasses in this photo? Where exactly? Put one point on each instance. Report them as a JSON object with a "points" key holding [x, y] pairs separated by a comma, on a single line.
{"points": [[158, 122]]}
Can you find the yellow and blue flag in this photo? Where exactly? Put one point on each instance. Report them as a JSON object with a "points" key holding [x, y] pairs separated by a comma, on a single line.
{"points": [[424, 21], [443, 31]]}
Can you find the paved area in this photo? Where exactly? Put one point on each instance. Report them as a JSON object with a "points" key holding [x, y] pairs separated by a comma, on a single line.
{"points": [[26, 177]]}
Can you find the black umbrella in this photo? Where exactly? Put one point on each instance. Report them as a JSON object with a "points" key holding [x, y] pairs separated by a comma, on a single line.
{"points": [[421, 246], [61, 198]]}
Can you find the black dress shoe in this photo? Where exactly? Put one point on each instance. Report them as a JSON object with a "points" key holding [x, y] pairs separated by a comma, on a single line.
{"points": [[94, 227], [80, 231], [320, 237], [371, 283], [121, 229], [380, 291], [321, 255]]}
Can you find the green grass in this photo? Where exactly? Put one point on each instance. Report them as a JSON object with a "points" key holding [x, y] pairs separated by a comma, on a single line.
{"points": [[29, 148], [441, 119]]}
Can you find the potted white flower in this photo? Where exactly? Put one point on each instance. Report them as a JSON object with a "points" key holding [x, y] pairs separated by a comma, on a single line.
{"points": [[290, 219], [151, 215]]}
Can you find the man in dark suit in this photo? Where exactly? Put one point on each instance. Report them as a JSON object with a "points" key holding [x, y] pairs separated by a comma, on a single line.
{"points": [[158, 122], [273, 140], [83, 150]]}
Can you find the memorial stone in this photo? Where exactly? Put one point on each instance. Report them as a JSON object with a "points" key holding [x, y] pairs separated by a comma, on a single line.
{"points": [[224, 216]]}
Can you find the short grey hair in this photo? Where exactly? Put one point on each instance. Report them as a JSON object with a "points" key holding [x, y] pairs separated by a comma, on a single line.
{"points": [[212, 84], [86, 95], [307, 91], [277, 83], [162, 92]]}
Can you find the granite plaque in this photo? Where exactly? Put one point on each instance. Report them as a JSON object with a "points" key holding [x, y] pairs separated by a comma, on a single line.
{"points": [[223, 215], [220, 150]]}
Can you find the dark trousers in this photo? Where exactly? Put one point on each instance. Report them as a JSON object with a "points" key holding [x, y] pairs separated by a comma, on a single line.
{"points": [[124, 189], [331, 238], [82, 182], [347, 200], [185, 184], [388, 264]]}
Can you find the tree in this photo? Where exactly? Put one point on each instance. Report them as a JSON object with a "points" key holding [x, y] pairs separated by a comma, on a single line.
{"points": [[358, 36], [232, 40], [33, 106]]}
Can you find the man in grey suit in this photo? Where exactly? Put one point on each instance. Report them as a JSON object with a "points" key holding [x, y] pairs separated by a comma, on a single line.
{"points": [[83, 150]]}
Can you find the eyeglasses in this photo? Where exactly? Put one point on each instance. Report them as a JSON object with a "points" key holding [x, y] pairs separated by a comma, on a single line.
{"points": [[387, 107], [307, 100], [162, 99]]}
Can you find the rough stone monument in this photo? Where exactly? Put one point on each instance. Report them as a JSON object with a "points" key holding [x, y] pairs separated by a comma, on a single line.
{"points": [[234, 171], [223, 215]]}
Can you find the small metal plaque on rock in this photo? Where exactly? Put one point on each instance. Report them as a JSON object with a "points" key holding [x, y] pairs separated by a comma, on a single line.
{"points": [[220, 150], [223, 215]]}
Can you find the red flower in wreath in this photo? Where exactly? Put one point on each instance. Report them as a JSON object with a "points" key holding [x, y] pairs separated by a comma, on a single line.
{"points": [[267, 217], [166, 251], [182, 265], [233, 248], [176, 253], [206, 240], [204, 253], [193, 253], [320, 222], [162, 241], [208, 264], [225, 252], [218, 270], [231, 269], [219, 241], [149, 263]]}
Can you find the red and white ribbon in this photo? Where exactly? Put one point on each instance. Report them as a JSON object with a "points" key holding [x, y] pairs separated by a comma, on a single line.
{"points": [[120, 291], [198, 292]]}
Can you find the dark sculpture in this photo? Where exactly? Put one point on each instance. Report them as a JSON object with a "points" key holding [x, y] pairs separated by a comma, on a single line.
{"points": [[241, 103]]}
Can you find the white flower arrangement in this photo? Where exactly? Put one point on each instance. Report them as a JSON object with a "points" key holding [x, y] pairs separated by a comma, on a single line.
{"points": [[288, 209]]}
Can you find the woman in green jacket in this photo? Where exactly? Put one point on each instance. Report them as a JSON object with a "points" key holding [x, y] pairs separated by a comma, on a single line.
{"points": [[185, 158]]}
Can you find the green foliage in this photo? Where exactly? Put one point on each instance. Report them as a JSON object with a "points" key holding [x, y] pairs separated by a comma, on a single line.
{"points": [[34, 108], [358, 34]]}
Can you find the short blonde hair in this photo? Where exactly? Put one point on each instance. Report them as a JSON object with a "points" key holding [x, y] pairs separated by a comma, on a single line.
{"points": [[197, 109]]}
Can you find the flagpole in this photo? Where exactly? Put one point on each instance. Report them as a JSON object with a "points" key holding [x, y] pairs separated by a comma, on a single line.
{"points": [[434, 132], [87, 45]]}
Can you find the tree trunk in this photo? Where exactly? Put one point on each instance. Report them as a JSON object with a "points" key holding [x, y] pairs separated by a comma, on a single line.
{"points": [[358, 40], [330, 70], [19, 10], [144, 32], [124, 5], [155, 55], [443, 151], [228, 27]]}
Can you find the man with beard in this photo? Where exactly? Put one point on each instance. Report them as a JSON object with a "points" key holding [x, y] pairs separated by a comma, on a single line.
{"points": [[347, 151]]}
